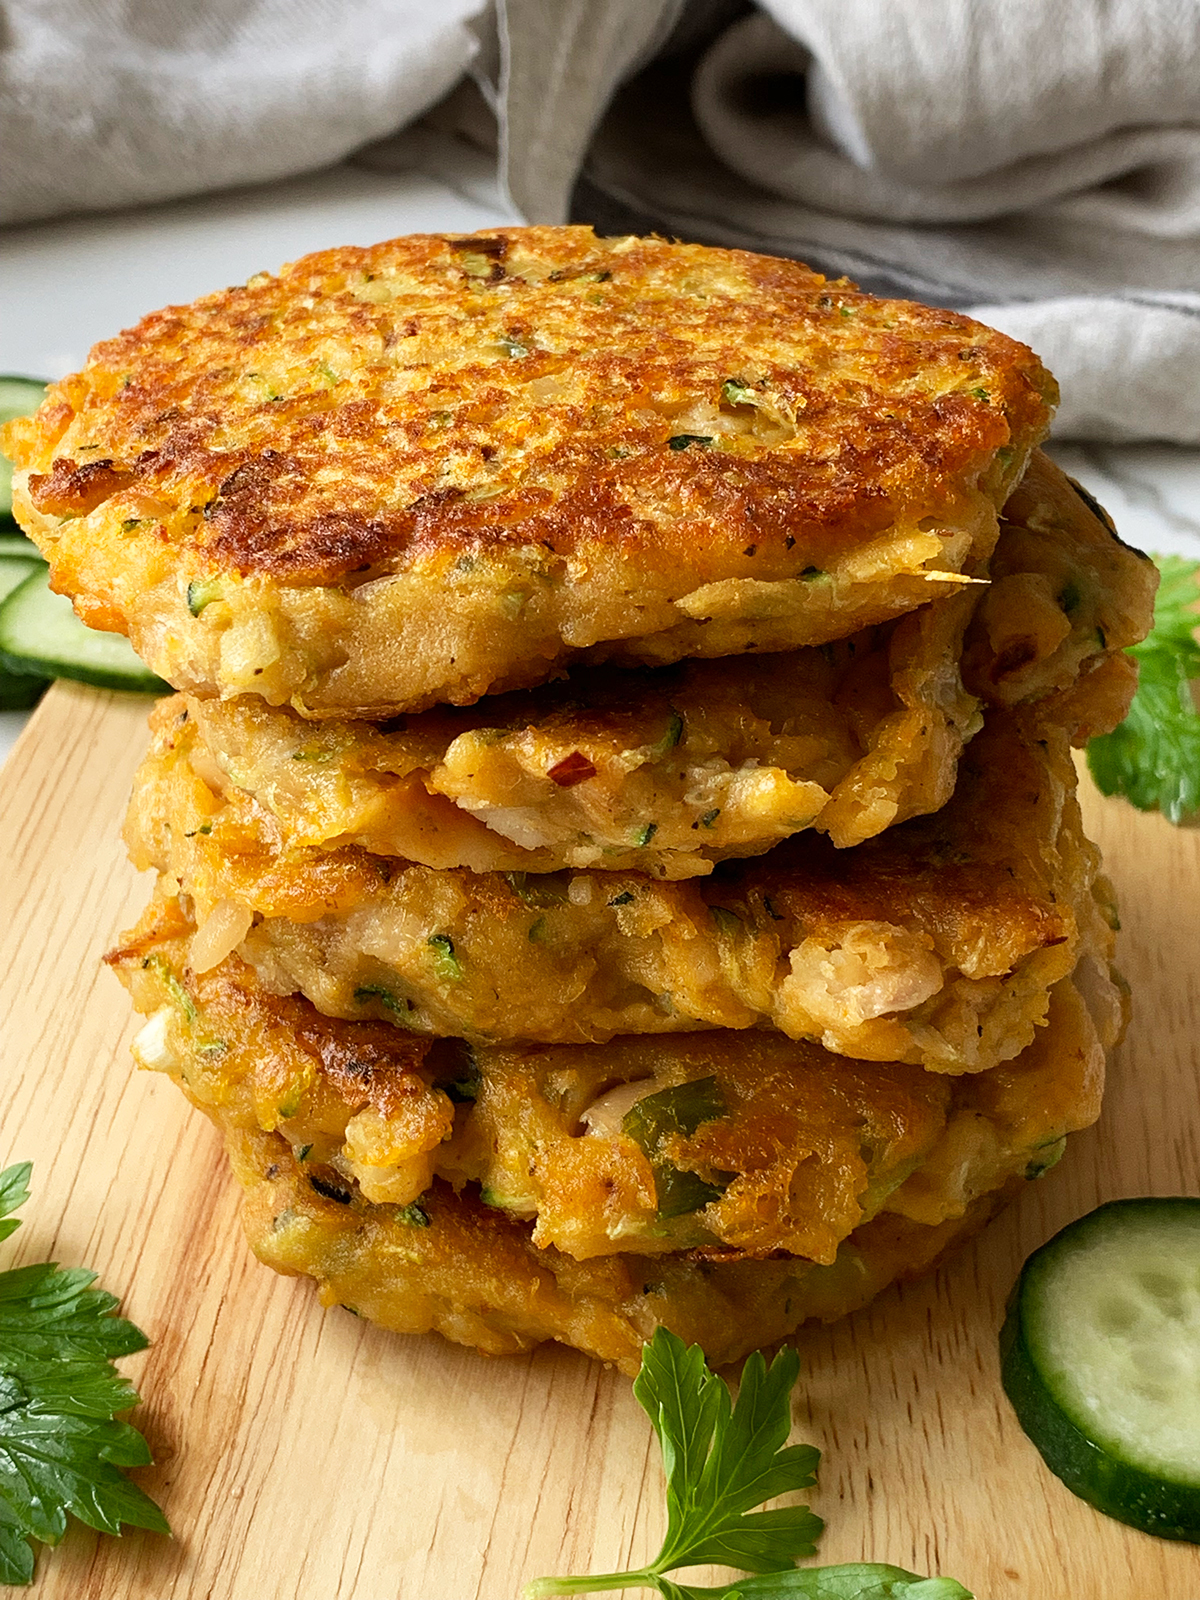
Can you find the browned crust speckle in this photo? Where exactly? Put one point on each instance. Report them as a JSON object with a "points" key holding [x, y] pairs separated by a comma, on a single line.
{"points": [[877, 392], [531, 396]]}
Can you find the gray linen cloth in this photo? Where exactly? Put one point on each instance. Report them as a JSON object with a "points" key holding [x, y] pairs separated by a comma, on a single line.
{"points": [[107, 103], [1036, 162]]}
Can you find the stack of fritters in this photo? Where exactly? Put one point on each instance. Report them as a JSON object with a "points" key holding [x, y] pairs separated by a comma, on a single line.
{"points": [[617, 845]]}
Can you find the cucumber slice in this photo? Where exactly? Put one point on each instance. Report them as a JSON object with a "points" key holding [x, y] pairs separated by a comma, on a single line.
{"points": [[18, 546], [19, 397], [17, 691], [14, 570], [1100, 1356], [40, 635]]}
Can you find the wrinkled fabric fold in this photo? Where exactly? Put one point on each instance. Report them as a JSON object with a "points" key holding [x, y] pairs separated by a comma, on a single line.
{"points": [[105, 105], [1036, 166], [960, 90], [823, 151]]}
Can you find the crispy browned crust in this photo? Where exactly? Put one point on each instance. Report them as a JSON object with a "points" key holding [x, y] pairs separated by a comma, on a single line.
{"points": [[516, 411]]}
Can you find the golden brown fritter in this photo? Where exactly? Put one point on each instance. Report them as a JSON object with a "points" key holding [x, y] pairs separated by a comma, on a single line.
{"points": [[727, 757], [597, 1151], [442, 467], [474, 1275], [789, 1147], [753, 1143], [936, 943], [1066, 599]]}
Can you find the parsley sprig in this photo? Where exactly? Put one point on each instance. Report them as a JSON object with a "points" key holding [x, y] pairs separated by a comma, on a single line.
{"points": [[60, 1449], [1153, 758], [723, 1460]]}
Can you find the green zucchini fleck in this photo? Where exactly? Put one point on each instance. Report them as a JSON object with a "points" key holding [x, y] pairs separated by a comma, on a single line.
{"points": [[538, 891], [682, 441], [677, 1111], [202, 592], [414, 1215], [736, 392], [399, 1009], [171, 983], [183, 1000], [445, 963], [670, 738], [678, 1193], [1046, 1156]]}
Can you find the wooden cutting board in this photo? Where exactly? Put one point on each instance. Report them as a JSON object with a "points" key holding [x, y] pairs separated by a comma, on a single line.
{"points": [[303, 1455]]}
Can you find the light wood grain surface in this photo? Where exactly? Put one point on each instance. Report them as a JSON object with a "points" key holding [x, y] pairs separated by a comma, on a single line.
{"points": [[303, 1455]]}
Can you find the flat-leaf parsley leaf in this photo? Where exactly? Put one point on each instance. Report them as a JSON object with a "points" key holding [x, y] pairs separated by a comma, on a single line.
{"points": [[1153, 758], [722, 1460], [60, 1448]]}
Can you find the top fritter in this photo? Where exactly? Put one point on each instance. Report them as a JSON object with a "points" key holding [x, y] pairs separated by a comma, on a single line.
{"points": [[442, 467]]}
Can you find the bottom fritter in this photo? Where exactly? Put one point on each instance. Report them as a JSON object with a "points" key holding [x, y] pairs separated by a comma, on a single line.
{"points": [[466, 1271], [726, 1185]]}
